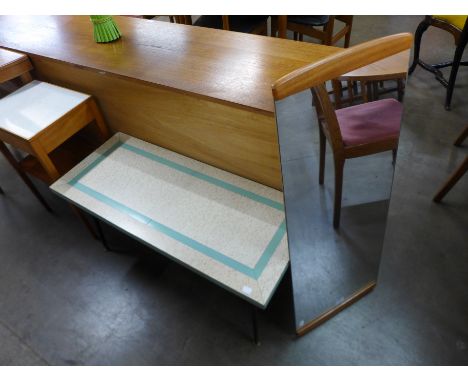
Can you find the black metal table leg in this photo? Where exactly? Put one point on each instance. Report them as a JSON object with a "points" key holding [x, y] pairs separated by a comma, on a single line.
{"points": [[256, 336], [101, 234]]}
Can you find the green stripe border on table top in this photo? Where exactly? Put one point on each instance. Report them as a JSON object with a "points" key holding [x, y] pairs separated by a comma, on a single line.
{"points": [[184, 239]]}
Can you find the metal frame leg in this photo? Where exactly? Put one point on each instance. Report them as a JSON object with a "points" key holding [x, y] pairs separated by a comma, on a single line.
{"points": [[256, 336], [102, 237], [456, 64], [422, 27]]}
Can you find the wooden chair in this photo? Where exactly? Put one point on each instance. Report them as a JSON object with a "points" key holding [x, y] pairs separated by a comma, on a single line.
{"points": [[244, 24], [357, 130], [458, 27], [319, 27], [370, 79], [43, 120], [459, 172], [187, 20]]}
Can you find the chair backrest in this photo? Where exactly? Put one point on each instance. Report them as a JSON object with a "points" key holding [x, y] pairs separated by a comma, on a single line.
{"points": [[13, 65], [314, 76], [184, 19]]}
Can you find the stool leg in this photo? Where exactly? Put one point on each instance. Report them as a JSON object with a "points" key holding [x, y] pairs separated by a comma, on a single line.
{"points": [[100, 122], [422, 27], [454, 178], [9, 157]]}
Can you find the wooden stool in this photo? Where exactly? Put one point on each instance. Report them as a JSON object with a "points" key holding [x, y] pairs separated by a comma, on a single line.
{"points": [[40, 118]]}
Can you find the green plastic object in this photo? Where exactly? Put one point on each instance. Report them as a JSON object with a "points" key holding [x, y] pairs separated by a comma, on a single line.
{"points": [[105, 29]]}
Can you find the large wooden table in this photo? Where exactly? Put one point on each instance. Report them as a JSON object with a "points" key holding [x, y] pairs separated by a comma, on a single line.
{"points": [[203, 93]]}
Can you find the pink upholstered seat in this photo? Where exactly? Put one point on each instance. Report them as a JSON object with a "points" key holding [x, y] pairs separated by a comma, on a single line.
{"points": [[370, 122]]}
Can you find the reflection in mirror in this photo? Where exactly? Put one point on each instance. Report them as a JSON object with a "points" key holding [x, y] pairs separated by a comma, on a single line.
{"points": [[338, 142]]}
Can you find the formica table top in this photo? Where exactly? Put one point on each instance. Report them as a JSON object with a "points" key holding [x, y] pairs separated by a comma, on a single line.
{"points": [[226, 228]]}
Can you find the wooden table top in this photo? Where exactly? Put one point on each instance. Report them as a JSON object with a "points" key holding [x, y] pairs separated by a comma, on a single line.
{"points": [[228, 66], [395, 66], [226, 228]]}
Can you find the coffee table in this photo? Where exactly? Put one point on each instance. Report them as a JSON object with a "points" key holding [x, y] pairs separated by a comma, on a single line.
{"points": [[226, 228]]}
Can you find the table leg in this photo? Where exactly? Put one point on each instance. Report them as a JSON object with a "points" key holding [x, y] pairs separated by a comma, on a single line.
{"points": [[97, 223], [255, 325], [85, 221]]}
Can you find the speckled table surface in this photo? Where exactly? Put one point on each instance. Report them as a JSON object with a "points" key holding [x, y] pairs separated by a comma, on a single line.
{"points": [[227, 228]]}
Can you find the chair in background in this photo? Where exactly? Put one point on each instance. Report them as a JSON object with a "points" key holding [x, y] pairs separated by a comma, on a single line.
{"points": [[187, 20], [245, 24], [354, 131], [371, 79], [459, 172], [43, 120], [458, 27], [319, 27]]}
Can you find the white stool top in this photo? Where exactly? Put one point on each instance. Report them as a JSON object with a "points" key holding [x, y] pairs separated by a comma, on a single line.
{"points": [[35, 106], [226, 228]]}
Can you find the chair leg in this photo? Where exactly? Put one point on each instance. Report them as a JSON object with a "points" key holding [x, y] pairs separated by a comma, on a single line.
{"points": [[454, 178], [323, 148], [365, 97], [456, 64], [422, 27], [462, 137], [9, 157], [1, 191], [375, 91], [339, 166], [274, 26]]}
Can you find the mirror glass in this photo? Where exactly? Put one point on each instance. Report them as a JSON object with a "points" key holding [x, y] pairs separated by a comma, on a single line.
{"points": [[334, 266]]}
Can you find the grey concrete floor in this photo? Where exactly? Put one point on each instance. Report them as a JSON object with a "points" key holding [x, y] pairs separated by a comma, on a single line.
{"points": [[64, 300]]}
